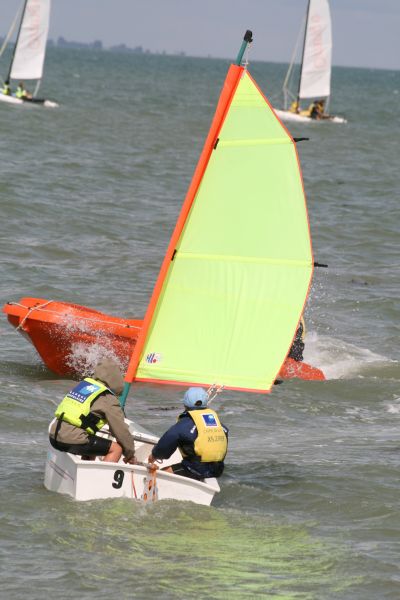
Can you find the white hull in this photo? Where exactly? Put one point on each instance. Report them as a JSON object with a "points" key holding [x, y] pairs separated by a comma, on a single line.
{"points": [[92, 480], [18, 101], [286, 115]]}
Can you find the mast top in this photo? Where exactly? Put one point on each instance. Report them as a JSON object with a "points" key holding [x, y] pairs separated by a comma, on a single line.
{"points": [[247, 39]]}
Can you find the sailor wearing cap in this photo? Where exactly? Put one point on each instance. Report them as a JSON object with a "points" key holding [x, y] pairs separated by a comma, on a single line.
{"points": [[200, 436]]}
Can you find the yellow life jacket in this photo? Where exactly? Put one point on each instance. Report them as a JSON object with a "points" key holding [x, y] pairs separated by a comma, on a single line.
{"points": [[211, 443], [308, 111], [6, 90], [75, 407]]}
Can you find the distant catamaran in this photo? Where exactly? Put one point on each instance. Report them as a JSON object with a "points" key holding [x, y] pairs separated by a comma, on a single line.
{"points": [[314, 83], [29, 51]]}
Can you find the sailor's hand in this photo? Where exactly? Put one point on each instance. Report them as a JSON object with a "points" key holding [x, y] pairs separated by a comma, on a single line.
{"points": [[151, 459], [131, 461]]}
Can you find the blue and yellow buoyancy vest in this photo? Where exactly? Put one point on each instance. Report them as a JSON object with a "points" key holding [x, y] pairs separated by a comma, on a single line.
{"points": [[75, 406], [211, 443]]}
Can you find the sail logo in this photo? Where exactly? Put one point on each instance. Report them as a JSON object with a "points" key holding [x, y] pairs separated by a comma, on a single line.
{"points": [[153, 357], [210, 420]]}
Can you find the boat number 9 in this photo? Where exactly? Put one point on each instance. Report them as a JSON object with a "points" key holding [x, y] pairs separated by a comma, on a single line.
{"points": [[118, 479]]}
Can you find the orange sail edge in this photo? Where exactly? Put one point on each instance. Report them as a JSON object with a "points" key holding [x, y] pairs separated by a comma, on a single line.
{"points": [[231, 82], [204, 385]]}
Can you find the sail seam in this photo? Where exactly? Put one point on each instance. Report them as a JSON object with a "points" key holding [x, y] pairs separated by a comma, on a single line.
{"points": [[255, 142], [252, 259]]}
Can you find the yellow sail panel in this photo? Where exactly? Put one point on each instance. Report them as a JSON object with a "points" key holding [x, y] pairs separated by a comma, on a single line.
{"points": [[235, 290]]}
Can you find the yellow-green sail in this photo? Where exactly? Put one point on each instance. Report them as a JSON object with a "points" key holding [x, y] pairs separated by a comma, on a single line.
{"points": [[236, 285]]}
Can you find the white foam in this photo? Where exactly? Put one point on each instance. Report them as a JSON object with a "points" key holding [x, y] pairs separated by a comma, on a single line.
{"points": [[338, 359], [393, 409], [84, 357]]}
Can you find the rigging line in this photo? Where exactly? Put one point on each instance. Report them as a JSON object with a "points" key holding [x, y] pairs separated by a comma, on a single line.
{"points": [[39, 81], [9, 34], [16, 41], [20, 326], [286, 83], [213, 392], [54, 312]]}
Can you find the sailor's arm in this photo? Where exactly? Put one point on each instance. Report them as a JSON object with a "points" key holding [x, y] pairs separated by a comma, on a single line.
{"points": [[109, 405]]}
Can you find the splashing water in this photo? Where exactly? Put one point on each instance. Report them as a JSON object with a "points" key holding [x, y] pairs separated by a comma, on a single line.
{"points": [[84, 357], [339, 359]]}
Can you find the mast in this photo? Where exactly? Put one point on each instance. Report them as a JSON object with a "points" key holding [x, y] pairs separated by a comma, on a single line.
{"points": [[304, 47], [16, 41], [247, 39]]}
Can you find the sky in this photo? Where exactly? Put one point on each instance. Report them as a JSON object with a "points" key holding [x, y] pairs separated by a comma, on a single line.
{"points": [[366, 33]]}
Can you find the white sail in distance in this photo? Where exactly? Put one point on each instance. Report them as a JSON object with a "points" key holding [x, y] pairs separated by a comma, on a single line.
{"points": [[317, 55], [31, 43]]}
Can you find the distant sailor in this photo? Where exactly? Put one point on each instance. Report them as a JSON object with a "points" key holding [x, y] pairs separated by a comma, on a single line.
{"points": [[86, 409], [294, 107], [200, 436], [22, 93], [6, 88], [318, 110], [297, 349]]}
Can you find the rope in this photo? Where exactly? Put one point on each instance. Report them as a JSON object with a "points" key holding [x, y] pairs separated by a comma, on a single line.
{"points": [[55, 312], [133, 486], [30, 311], [150, 492], [213, 391]]}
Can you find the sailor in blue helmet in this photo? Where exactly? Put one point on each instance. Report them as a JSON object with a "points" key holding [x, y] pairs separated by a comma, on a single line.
{"points": [[200, 436]]}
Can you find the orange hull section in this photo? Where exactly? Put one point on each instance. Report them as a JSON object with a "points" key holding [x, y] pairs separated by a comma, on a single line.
{"points": [[58, 329], [294, 369]]}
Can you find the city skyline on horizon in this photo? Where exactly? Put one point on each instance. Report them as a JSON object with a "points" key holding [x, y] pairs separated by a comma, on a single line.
{"points": [[364, 35]]}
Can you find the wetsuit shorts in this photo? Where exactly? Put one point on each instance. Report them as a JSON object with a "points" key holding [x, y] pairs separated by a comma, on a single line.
{"points": [[180, 469], [95, 446]]}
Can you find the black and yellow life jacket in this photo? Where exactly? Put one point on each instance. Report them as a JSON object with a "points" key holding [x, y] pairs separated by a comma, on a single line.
{"points": [[75, 406], [211, 443]]}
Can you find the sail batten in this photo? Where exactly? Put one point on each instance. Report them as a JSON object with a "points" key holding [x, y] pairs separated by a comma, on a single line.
{"points": [[254, 142], [253, 259], [30, 47], [238, 269]]}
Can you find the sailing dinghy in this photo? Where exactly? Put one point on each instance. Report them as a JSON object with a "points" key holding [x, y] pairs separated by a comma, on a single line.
{"points": [[314, 83], [29, 50], [232, 286]]}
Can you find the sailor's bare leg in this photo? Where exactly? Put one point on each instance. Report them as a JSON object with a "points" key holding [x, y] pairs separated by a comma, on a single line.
{"points": [[114, 453]]}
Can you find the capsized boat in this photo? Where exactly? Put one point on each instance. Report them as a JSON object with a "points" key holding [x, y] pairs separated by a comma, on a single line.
{"points": [[29, 51], [70, 338], [314, 83], [68, 335], [237, 271]]}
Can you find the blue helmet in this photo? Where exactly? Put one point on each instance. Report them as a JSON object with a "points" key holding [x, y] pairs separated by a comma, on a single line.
{"points": [[195, 397]]}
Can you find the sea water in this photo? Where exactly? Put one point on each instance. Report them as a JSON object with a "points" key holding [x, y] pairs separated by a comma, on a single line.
{"points": [[309, 505]]}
